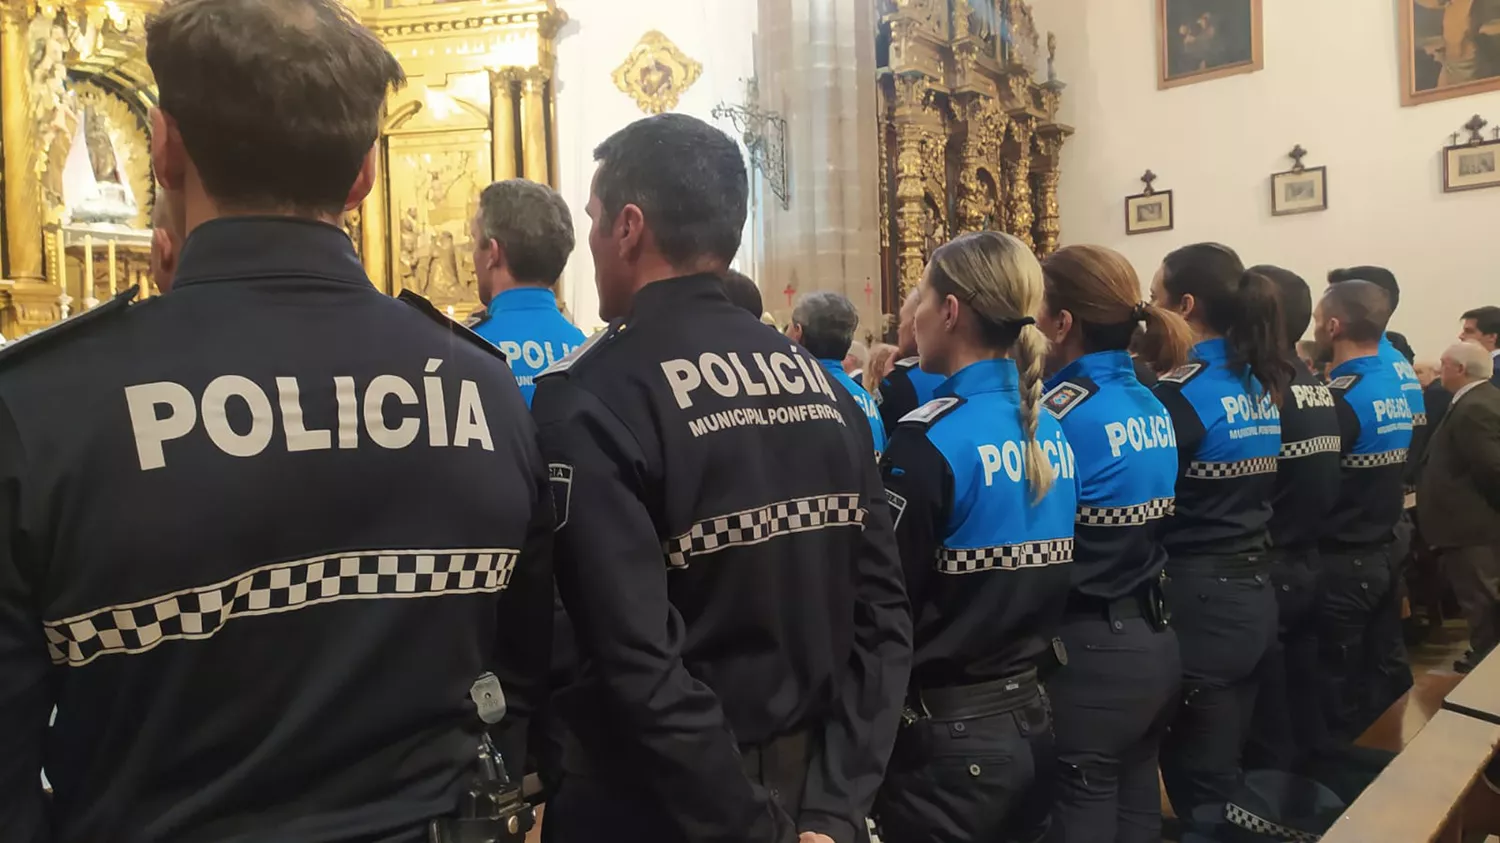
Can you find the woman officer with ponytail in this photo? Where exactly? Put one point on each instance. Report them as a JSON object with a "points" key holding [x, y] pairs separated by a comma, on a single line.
{"points": [[1113, 701], [1224, 407], [981, 487]]}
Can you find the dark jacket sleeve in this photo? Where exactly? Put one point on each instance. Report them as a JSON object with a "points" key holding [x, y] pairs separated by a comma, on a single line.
{"points": [[1477, 434], [612, 575], [25, 701], [1186, 424], [919, 488], [860, 734], [523, 647], [897, 398]]}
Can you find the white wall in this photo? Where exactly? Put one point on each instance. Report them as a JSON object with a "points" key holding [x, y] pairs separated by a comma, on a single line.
{"points": [[1331, 83], [599, 36]]}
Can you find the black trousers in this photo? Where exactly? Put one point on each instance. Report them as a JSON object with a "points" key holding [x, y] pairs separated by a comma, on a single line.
{"points": [[1363, 654], [1289, 724], [1225, 625], [1111, 705], [983, 779], [1474, 573]]}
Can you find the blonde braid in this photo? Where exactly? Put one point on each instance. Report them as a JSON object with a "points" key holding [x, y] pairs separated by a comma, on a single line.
{"points": [[1031, 354]]}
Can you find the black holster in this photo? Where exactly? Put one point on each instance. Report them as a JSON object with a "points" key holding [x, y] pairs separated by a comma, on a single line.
{"points": [[493, 810]]}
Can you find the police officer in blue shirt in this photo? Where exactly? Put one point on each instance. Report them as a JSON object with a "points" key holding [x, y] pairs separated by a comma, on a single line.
{"points": [[1224, 411], [824, 324], [908, 386], [981, 484], [1375, 421], [1116, 696], [1289, 725], [523, 235]]}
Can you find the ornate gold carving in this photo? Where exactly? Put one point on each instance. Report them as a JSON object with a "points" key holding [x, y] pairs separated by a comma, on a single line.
{"points": [[435, 181], [1048, 227], [1020, 215], [23, 204], [656, 73]]}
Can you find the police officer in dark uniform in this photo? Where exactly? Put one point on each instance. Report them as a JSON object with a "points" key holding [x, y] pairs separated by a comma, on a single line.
{"points": [[1224, 411], [1289, 724], [908, 386], [524, 235], [982, 484], [262, 534], [1375, 421], [1118, 692], [725, 549]]}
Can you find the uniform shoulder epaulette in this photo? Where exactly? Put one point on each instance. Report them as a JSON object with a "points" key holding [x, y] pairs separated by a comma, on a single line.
{"points": [[571, 358], [1344, 382], [908, 362], [50, 336], [1065, 396], [477, 318], [1182, 374], [930, 412], [426, 308]]}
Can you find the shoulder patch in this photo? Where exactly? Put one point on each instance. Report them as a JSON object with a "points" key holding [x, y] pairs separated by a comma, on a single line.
{"points": [[51, 335], [1182, 374], [908, 362], [578, 353], [426, 308], [1343, 382], [930, 412], [477, 318], [1064, 397]]}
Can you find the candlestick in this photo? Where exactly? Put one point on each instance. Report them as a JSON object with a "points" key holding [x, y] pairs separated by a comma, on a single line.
{"points": [[87, 287], [111, 269]]}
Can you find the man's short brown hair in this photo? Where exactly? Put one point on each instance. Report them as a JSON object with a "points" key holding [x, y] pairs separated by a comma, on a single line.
{"points": [[532, 223], [277, 101]]}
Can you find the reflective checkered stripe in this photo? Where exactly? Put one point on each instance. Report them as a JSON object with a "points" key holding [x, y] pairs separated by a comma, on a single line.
{"points": [[1124, 516], [1226, 470], [1308, 447], [200, 613], [1005, 557], [753, 526], [1418, 419], [1238, 816], [1383, 458]]}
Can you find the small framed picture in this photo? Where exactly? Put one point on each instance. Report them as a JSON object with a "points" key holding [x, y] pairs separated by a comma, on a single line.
{"points": [[1299, 191], [1471, 166], [1148, 212]]}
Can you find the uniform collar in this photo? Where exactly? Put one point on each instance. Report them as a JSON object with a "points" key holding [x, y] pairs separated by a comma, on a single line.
{"points": [[1215, 350], [984, 376], [243, 248], [1098, 367], [836, 366], [1357, 366], [524, 298], [672, 293]]}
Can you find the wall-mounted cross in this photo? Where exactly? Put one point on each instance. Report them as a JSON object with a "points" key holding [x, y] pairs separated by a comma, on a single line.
{"points": [[1148, 177], [1297, 154], [789, 291], [869, 292], [1476, 125]]}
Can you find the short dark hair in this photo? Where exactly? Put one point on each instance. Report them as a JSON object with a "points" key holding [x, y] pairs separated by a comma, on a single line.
{"points": [[688, 179], [1377, 275], [278, 101], [1295, 297], [532, 223], [1363, 307], [743, 292], [1486, 319], [828, 322]]}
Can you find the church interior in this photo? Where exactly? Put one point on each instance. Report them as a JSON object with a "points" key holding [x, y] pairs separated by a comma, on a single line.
{"points": [[1307, 135]]}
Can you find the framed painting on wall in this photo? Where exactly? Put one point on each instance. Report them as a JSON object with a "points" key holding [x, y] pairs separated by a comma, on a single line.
{"points": [[1299, 191], [1199, 40], [1449, 48], [1471, 166], [1148, 212]]}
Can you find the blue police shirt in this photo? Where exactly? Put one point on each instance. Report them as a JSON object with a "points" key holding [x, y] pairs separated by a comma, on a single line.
{"points": [[529, 328], [866, 403], [1228, 440], [905, 389], [985, 565], [1375, 427], [1126, 454], [1407, 374]]}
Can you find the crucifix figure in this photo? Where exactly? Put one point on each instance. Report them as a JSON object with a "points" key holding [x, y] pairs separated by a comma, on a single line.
{"points": [[789, 291], [869, 292]]}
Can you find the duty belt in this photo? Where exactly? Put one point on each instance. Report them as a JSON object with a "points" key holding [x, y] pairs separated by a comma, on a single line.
{"points": [[967, 702], [1226, 565]]}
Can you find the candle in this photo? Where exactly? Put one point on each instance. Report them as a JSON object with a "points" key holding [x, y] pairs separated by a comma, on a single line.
{"points": [[111, 269], [62, 261], [87, 287]]}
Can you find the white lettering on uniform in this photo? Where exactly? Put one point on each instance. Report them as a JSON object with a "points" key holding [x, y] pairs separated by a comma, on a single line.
{"points": [[298, 437], [989, 459], [1141, 434], [402, 434], [718, 375], [437, 413], [537, 355], [1312, 396], [683, 377], [471, 425], [343, 390], [1391, 408], [151, 430], [215, 414]]}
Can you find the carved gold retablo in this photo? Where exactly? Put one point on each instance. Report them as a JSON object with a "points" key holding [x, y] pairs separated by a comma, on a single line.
{"points": [[656, 73]]}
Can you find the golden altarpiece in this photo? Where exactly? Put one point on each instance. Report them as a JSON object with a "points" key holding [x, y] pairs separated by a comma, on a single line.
{"points": [[969, 139], [74, 96]]}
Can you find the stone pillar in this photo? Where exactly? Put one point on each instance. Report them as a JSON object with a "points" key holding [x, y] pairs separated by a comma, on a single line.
{"points": [[816, 67], [503, 122], [23, 201]]}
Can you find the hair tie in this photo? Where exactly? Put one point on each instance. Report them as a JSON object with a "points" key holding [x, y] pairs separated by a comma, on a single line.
{"points": [[1139, 313], [1018, 324]]}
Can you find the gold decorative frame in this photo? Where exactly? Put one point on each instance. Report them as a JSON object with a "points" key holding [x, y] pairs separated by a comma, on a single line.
{"points": [[1409, 93], [1257, 61], [656, 73]]}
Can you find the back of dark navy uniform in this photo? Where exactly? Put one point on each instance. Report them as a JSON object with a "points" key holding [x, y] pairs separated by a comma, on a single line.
{"points": [[905, 389], [273, 524]]}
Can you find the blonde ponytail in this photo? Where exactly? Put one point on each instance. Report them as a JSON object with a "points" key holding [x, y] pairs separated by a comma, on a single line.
{"points": [[1031, 355]]}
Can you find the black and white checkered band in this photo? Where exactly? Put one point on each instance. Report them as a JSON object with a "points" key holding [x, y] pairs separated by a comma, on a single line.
{"points": [[1006, 557], [1308, 447], [753, 526], [1226, 470], [1238, 816], [1418, 419], [199, 613], [1383, 458], [1124, 516]]}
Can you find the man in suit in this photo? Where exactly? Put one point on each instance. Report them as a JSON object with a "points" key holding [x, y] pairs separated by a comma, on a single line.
{"points": [[1458, 494], [1482, 326]]}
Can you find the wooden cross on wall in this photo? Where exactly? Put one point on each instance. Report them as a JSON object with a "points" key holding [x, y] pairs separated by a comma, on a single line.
{"points": [[1148, 178]]}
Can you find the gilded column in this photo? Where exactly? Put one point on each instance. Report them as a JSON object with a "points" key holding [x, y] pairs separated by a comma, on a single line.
{"points": [[1048, 228], [23, 202], [534, 143], [911, 92], [1021, 217], [503, 123], [375, 228]]}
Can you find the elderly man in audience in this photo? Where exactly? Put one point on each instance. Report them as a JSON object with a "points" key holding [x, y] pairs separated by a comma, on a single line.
{"points": [[1458, 494]]}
